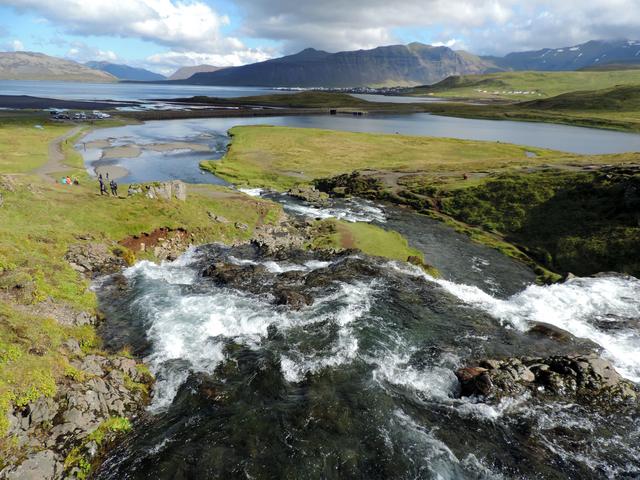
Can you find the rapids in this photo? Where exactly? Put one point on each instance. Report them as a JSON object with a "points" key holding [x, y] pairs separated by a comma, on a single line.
{"points": [[361, 383]]}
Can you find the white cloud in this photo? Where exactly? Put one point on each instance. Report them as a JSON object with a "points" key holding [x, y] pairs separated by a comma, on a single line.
{"points": [[81, 52], [454, 43], [189, 25], [338, 25], [192, 29], [484, 26], [168, 62], [17, 46]]}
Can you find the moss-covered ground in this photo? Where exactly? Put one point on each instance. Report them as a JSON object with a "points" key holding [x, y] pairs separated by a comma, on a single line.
{"points": [[545, 210], [280, 157]]}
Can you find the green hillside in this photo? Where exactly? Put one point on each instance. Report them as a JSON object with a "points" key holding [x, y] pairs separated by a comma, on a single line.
{"points": [[526, 85], [623, 99]]}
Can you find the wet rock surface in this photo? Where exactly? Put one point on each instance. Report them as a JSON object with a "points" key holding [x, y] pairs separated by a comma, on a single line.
{"points": [[364, 373], [293, 288], [44, 431], [310, 195], [586, 378]]}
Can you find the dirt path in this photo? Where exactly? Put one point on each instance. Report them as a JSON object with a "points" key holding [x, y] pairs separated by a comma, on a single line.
{"points": [[55, 163]]}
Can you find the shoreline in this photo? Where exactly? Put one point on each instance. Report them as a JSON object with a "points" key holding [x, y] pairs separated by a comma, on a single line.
{"points": [[247, 107]]}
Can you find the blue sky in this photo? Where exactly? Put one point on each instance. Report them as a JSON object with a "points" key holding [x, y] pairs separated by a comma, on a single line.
{"points": [[164, 34]]}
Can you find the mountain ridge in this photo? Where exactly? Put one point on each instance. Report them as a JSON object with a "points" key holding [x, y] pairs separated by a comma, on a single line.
{"points": [[386, 65], [38, 66], [125, 72], [184, 73]]}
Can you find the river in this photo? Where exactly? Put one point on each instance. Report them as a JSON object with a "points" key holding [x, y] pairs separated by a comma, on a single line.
{"points": [[123, 91], [360, 384], [182, 163]]}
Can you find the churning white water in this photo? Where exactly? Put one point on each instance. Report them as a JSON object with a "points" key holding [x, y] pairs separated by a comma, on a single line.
{"points": [[188, 330], [353, 210], [604, 309]]}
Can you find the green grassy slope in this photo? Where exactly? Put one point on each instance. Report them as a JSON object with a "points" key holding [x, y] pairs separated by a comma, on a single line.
{"points": [[280, 157], [506, 85]]}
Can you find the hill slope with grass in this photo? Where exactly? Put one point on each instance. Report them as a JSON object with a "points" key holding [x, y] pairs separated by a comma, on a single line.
{"points": [[621, 99], [513, 85]]}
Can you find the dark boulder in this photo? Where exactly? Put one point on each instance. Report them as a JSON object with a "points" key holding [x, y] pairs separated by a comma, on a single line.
{"points": [[583, 378], [293, 299]]}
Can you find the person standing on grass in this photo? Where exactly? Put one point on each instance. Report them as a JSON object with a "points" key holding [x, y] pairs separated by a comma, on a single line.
{"points": [[103, 189], [114, 188]]}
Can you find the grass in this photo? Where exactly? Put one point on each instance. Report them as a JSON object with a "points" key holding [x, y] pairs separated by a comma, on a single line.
{"points": [[579, 222], [23, 147], [369, 239], [281, 157], [38, 226], [513, 220], [40, 220], [542, 84], [79, 457], [30, 361], [606, 117], [308, 100]]}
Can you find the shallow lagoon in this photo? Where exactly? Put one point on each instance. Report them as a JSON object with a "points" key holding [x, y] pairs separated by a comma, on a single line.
{"points": [[183, 164]]}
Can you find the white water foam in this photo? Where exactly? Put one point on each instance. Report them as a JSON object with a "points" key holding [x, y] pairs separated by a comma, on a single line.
{"points": [[355, 300], [188, 331], [252, 192], [282, 267], [439, 384], [442, 463], [354, 210], [580, 306]]}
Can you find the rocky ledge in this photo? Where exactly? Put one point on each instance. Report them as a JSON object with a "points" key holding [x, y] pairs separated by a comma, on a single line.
{"points": [[62, 436], [582, 378]]}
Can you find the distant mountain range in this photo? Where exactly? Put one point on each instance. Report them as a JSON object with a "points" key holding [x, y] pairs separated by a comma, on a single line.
{"points": [[395, 65], [186, 72], [383, 66], [413, 64], [37, 66], [590, 54], [125, 72]]}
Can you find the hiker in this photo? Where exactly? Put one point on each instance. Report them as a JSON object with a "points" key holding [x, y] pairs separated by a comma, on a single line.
{"points": [[103, 189], [108, 177], [114, 188]]}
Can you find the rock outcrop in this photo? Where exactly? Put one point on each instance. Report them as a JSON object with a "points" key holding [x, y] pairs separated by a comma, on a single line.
{"points": [[352, 184], [310, 195], [584, 378], [45, 431], [94, 259], [160, 190], [294, 289]]}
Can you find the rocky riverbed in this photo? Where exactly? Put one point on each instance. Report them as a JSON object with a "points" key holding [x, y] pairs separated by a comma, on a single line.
{"points": [[276, 362]]}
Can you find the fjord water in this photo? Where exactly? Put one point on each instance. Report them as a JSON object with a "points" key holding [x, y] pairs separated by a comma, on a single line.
{"points": [[361, 383], [184, 164], [122, 91]]}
